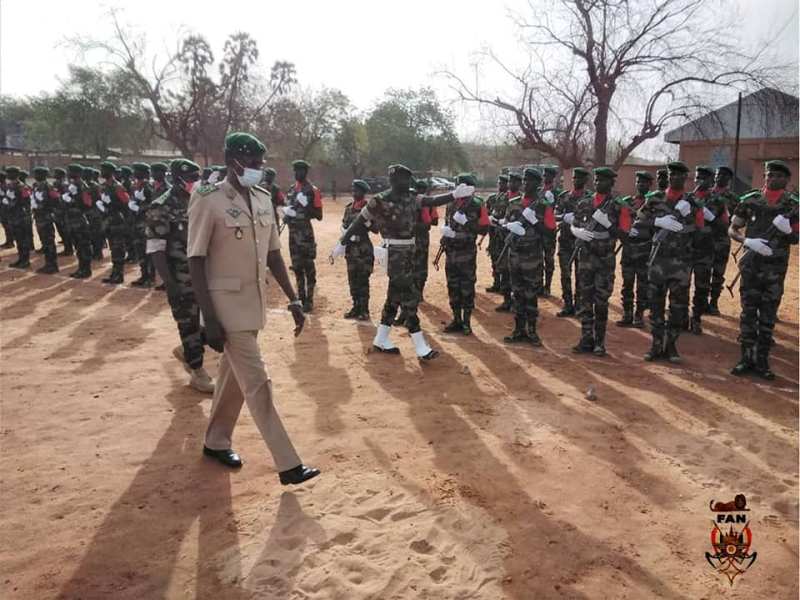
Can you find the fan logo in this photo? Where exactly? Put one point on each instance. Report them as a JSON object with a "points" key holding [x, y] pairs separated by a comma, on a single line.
{"points": [[731, 538]]}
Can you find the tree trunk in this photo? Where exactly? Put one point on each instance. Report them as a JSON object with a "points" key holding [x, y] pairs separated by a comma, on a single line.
{"points": [[601, 131]]}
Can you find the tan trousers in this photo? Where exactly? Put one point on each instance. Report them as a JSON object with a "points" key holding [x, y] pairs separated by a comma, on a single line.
{"points": [[243, 377]]}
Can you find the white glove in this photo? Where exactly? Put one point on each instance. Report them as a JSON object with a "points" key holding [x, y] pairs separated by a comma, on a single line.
{"points": [[460, 218], [381, 255], [105, 198], [11, 194], [668, 222], [601, 218], [34, 203], [39, 196], [515, 227], [73, 189], [581, 233], [133, 206], [139, 194], [569, 218], [66, 198], [530, 216], [633, 232], [683, 207], [503, 222], [708, 215], [463, 191], [447, 231], [301, 199], [758, 245], [492, 220], [549, 196], [213, 177], [289, 212], [101, 206], [782, 224], [338, 250], [5, 202]]}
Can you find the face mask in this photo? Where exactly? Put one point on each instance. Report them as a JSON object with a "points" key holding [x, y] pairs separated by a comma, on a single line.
{"points": [[250, 177]]}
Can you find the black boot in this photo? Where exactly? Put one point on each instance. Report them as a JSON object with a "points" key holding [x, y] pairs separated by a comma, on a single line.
{"points": [[84, 270], [532, 335], [466, 326], [308, 304], [23, 262], [656, 349], [762, 364], [353, 312], [568, 310], [599, 339], [116, 276], [506, 305], [638, 319], [456, 324], [48, 268], [519, 334], [627, 317], [746, 362], [713, 307], [585, 345], [671, 348], [363, 310], [695, 326], [400, 321]]}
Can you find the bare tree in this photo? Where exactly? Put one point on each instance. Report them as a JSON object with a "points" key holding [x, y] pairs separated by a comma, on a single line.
{"points": [[633, 65]]}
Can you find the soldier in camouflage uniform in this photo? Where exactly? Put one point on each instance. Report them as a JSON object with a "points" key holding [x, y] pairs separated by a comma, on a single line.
{"points": [[17, 202], [549, 193], [78, 202], [769, 218], [159, 182], [303, 203], [497, 220], [60, 187], [359, 254], [395, 213], [125, 176], [723, 202], [635, 254], [669, 219], [598, 219], [702, 248], [141, 197], [565, 215], [497, 200], [9, 243], [465, 219], [275, 192], [167, 229], [45, 202], [528, 219], [95, 215], [114, 206], [662, 179]]}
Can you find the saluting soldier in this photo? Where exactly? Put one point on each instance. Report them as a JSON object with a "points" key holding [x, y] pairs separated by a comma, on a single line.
{"points": [[635, 254], [78, 203], [769, 220], [17, 202], [45, 202], [233, 239], [723, 203], [113, 204], [303, 203], [359, 254], [566, 203], [496, 202]]}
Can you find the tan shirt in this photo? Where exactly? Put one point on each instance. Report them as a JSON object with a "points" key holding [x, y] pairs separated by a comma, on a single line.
{"points": [[235, 243]]}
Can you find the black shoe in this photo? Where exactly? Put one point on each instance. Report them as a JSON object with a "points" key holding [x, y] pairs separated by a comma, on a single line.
{"points": [[48, 269], [228, 457], [114, 278], [656, 351], [21, 264], [308, 306], [599, 349], [745, 364], [466, 324], [352, 313], [638, 320], [534, 338], [504, 307], [517, 336], [671, 351], [585, 346], [567, 311], [454, 326], [762, 367], [82, 274], [297, 475]]}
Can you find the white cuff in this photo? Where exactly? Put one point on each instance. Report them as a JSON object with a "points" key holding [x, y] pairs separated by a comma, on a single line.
{"points": [[156, 245]]}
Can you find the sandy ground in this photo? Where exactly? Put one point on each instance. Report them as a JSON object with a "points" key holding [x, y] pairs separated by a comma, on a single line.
{"points": [[486, 474]]}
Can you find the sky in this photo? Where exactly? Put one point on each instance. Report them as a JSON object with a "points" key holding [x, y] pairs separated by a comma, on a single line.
{"points": [[359, 47]]}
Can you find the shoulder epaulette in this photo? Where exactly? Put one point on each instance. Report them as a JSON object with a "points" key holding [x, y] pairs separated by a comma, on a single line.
{"points": [[563, 193], [261, 189], [750, 194], [163, 197], [624, 200], [205, 190], [477, 199], [795, 198]]}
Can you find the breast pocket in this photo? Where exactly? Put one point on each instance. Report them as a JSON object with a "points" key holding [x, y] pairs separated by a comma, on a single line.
{"points": [[236, 227]]}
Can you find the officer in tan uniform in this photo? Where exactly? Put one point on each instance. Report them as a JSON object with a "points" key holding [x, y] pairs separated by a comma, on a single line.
{"points": [[233, 238]]}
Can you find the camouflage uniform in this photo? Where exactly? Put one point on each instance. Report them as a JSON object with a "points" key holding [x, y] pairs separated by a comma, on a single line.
{"points": [[166, 229], [702, 263], [78, 204], [360, 259], [114, 206], [635, 254], [141, 197], [59, 188], [95, 216], [499, 201], [723, 202], [549, 241], [4, 211], [45, 203], [422, 240], [18, 210], [302, 245], [497, 241], [566, 203]]}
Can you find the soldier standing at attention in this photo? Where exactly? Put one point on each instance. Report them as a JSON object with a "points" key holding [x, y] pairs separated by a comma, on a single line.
{"points": [[45, 202], [769, 218], [95, 215], [17, 202], [635, 254], [723, 203], [465, 219], [78, 204], [142, 196], [274, 191], [498, 219], [125, 176], [528, 218], [60, 187], [662, 179], [596, 225], [499, 201], [160, 185], [359, 254], [166, 230], [114, 206], [702, 248], [233, 239], [566, 204], [670, 218], [9, 243], [396, 211], [549, 193]]}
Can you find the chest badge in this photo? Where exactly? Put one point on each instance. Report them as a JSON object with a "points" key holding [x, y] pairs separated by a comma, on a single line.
{"points": [[234, 212], [238, 233]]}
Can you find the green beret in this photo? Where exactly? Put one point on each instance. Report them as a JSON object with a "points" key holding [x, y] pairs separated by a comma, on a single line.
{"points": [[515, 175], [270, 172], [183, 166], [300, 164], [12, 171], [399, 169], [502, 177], [159, 167], [41, 171], [23, 173], [678, 166], [724, 169], [219, 168], [140, 167], [421, 184], [777, 165], [661, 172], [704, 169], [580, 171], [531, 173], [59, 172], [107, 165], [644, 175], [604, 172], [75, 169], [361, 184], [550, 170], [244, 143], [94, 171], [467, 178], [125, 170]]}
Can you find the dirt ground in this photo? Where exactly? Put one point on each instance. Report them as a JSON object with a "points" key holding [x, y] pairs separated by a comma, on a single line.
{"points": [[487, 474]]}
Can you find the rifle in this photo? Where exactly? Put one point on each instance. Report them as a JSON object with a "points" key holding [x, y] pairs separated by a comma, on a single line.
{"points": [[438, 256], [590, 227], [659, 239]]}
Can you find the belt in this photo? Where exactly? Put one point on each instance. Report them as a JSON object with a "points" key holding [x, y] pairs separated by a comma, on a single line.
{"points": [[397, 242]]}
